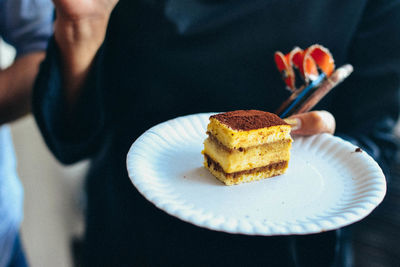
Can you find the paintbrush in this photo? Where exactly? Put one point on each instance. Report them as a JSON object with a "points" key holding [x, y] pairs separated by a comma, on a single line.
{"points": [[305, 99]]}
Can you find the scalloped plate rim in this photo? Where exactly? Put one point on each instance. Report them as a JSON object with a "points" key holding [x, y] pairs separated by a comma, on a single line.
{"points": [[275, 229]]}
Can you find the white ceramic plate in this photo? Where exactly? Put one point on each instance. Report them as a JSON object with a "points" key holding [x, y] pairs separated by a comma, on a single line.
{"points": [[328, 184]]}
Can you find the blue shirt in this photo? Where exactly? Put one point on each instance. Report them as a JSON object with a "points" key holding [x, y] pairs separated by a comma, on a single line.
{"points": [[26, 25]]}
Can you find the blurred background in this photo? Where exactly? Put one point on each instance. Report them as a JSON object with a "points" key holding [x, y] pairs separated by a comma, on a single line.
{"points": [[53, 193]]}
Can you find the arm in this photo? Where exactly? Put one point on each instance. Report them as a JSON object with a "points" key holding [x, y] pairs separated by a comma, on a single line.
{"points": [[79, 31], [27, 26], [68, 99], [16, 86], [367, 104]]}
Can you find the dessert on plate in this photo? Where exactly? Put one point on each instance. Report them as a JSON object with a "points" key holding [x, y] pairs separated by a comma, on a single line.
{"points": [[246, 145]]}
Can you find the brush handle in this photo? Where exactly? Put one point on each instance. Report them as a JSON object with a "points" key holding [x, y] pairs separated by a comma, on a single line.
{"points": [[304, 101], [325, 87], [298, 98]]}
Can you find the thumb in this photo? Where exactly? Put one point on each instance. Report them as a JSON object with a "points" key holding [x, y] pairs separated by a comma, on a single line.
{"points": [[313, 122]]}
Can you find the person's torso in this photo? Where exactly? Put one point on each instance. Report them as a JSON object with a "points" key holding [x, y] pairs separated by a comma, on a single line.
{"points": [[173, 58], [181, 57]]}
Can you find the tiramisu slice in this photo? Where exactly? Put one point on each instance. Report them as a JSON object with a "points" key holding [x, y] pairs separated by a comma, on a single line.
{"points": [[246, 145]]}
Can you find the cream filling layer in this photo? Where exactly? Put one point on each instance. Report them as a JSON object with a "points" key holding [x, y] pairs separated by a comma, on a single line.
{"points": [[235, 160]]}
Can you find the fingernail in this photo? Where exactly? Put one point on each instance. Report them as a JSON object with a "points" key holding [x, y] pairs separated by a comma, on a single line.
{"points": [[294, 122]]}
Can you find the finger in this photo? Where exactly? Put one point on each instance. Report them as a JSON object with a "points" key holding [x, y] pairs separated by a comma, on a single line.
{"points": [[310, 123]]}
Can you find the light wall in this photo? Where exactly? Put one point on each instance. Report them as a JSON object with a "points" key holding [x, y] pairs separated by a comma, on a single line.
{"points": [[53, 193]]}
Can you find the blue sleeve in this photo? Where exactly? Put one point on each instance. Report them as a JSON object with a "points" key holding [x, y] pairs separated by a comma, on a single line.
{"points": [[26, 24]]}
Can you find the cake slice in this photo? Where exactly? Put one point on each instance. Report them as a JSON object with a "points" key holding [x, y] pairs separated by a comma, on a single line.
{"points": [[246, 145]]}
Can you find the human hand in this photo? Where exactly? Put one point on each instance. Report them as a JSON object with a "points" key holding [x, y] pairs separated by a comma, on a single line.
{"points": [[313, 122]]}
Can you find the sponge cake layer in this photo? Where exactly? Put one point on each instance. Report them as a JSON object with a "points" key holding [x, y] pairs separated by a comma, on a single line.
{"points": [[241, 129], [244, 176], [234, 160]]}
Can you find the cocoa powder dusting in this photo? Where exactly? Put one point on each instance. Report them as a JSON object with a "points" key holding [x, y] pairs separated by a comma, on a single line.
{"points": [[249, 119]]}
